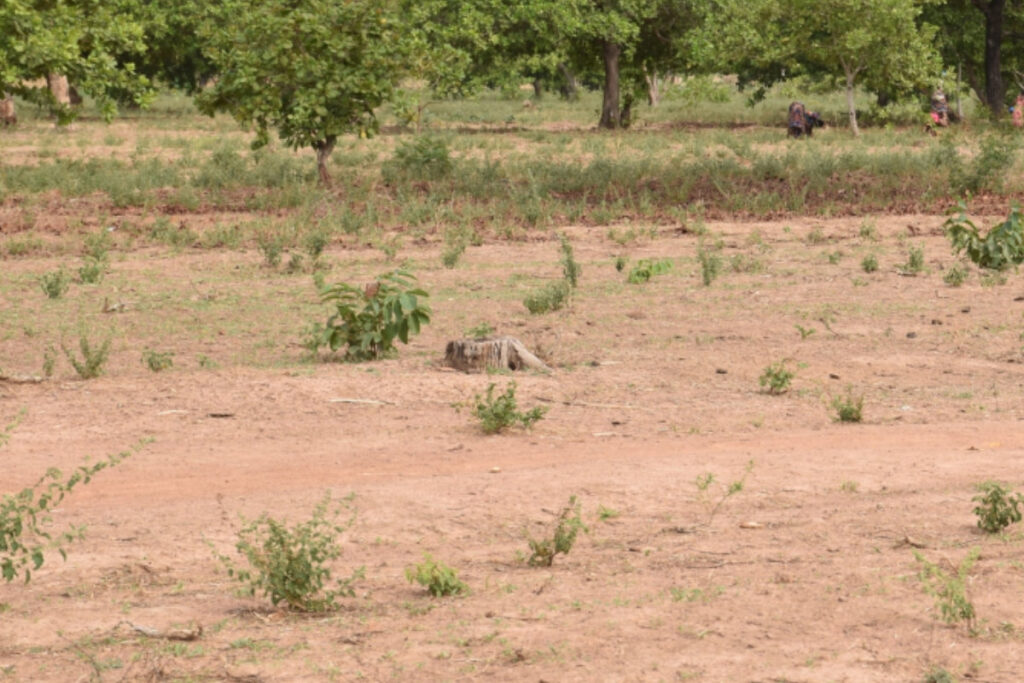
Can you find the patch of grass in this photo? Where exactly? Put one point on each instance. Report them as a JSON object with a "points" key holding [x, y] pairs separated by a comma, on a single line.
{"points": [[93, 358], [552, 297], [544, 550], [915, 261], [869, 263], [158, 361], [710, 263], [55, 284], [439, 579], [480, 331], [848, 408], [497, 414], [91, 272], [645, 269]]}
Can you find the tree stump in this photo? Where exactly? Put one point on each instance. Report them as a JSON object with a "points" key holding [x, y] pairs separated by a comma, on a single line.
{"points": [[477, 355], [59, 87]]}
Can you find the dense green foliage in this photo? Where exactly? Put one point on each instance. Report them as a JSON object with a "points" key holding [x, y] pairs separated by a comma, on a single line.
{"points": [[1001, 247]]}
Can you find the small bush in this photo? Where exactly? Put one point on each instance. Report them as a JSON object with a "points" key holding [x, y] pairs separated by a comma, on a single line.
{"points": [[290, 564], [848, 408], [776, 378], [553, 297], [915, 261], [272, 247], [997, 507], [91, 272], [438, 579], [55, 284], [315, 242], [93, 358], [1001, 248], [620, 263], [480, 331], [424, 158], [544, 550], [645, 269], [158, 361], [571, 270], [455, 242], [955, 276], [368, 320], [498, 414], [949, 589], [710, 263], [869, 263]]}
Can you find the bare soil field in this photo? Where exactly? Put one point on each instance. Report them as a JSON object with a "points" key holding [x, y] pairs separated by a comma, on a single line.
{"points": [[806, 574]]}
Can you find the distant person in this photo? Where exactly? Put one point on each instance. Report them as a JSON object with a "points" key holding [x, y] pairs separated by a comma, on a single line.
{"points": [[801, 121], [1018, 110], [940, 108]]}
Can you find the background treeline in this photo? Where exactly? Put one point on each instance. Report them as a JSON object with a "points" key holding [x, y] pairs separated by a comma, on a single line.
{"points": [[316, 69]]}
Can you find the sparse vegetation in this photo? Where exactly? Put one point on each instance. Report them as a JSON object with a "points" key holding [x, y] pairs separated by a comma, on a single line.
{"points": [[1000, 248], [869, 263], [710, 261], [543, 551], [645, 269], [712, 494], [498, 413], [849, 408], [776, 378], [439, 579], [949, 588], [93, 358], [55, 284], [291, 564], [955, 276], [998, 507], [158, 361]]}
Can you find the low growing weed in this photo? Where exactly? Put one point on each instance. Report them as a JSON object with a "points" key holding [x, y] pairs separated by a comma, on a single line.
{"points": [[869, 263], [92, 271], [55, 284], [710, 263], [955, 276], [93, 358], [497, 414], [645, 269], [848, 408], [544, 550], [776, 378], [949, 589], [158, 361], [997, 508], [438, 579], [706, 494], [553, 297], [289, 564]]}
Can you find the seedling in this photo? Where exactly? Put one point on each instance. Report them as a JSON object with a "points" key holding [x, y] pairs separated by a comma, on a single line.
{"points": [[708, 486], [848, 408], [776, 378], [955, 276], [710, 263], [497, 414], [480, 331], [158, 361], [869, 263], [290, 564], [543, 551], [645, 269], [55, 284], [997, 507], [915, 262], [438, 579], [949, 589], [805, 332], [93, 358]]}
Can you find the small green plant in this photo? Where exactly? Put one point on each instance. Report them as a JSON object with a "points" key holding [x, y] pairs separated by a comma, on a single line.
{"points": [[868, 231], [49, 360], [438, 579], [621, 262], [368, 320], [604, 513], [315, 242], [915, 262], [497, 414], [776, 378], [816, 236], [480, 331], [710, 263], [949, 589], [706, 496], [544, 550], [98, 245], [571, 270], [805, 332], [1001, 248], [93, 358], [55, 284], [848, 408], [295, 263], [272, 248], [645, 269], [24, 539], [955, 276], [938, 674], [454, 246], [835, 256], [997, 507], [91, 272], [849, 486], [869, 263], [552, 297], [158, 361], [423, 158], [290, 564]]}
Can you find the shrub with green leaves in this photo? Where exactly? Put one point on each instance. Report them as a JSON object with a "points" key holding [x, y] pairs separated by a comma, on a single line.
{"points": [[24, 539], [368, 320], [949, 589], [291, 564], [272, 247], [439, 579], [848, 408], [424, 158], [158, 361], [710, 263], [553, 297], [498, 413], [997, 508], [955, 276], [644, 269], [92, 271], [93, 358], [869, 263], [56, 283], [1000, 248], [571, 270], [915, 261], [544, 550], [776, 378]]}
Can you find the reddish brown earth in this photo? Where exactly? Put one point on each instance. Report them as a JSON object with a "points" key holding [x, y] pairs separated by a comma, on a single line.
{"points": [[807, 574]]}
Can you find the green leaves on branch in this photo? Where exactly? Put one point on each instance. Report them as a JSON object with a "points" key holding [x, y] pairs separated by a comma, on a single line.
{"points": [[368, 320], [1000, 248]]}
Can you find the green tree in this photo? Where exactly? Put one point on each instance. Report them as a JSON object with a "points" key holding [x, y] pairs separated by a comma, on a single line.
{"points": [[79, 39], [876, 44], [310, 69]]}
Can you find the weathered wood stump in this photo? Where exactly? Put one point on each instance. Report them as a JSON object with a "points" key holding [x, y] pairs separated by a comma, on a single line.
{"points": [[477, 355]]}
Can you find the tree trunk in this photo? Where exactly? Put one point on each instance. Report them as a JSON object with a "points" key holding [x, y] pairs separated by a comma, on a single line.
{"points": [[850, 106], [610, 104], [626, 115], [653, 89], [323, 154], [498, 353], [538, 89], [995, 89], [59, 88], [8, 117], [569, 88]]}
